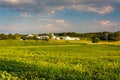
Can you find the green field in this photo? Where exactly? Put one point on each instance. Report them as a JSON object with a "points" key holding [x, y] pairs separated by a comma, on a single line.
{"points": [[58, 60]]}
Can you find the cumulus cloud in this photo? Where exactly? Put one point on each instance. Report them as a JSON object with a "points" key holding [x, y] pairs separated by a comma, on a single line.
{"points": [[104, 10], [49, 25], [89, 8], [17, 1], [107, 23], [97, 6], [56, 22], [60, 21]]}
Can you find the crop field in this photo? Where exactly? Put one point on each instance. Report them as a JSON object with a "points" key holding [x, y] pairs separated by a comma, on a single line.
{"points": [[58, 60]]}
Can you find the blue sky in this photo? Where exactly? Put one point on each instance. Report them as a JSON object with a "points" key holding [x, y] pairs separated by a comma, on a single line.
{"points": [[43, 16]]}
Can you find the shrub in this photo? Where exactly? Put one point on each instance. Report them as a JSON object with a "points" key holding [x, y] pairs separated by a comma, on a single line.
{"points": [[46, 39], [95, 40]]}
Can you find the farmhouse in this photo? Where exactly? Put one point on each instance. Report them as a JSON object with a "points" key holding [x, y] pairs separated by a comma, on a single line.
{"points": [[54, 37], [65, 38], [43, 37], [30, 35], [71, 38]]}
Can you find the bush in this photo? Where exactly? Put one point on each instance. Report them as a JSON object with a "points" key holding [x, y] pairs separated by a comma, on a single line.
{"points": [[46, 39], [95, 40]]}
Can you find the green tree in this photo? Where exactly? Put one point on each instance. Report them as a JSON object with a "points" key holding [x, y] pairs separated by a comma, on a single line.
{"points": [[24, 37], [95, 40], [16, 36], [3, 37], [35, 37], [10, 36], [50, 35]]}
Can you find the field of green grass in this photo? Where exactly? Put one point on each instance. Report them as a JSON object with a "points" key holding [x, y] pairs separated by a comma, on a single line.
{"points": [[58, 60]]}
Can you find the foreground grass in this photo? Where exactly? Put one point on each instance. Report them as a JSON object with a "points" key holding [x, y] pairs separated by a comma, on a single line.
{"points": [[58, 60]]}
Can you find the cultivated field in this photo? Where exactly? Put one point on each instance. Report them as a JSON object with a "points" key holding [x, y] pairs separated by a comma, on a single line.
{"points": [[58, 60]]}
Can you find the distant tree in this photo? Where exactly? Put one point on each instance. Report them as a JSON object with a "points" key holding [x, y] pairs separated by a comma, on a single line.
{"points": [[110, 36], [117, 35], [24, 37], [30, 38], [35, 37], [47, 39], [64, 34], [3, 37], [16, 36], [10, 36], [50, 35], [95, 39]]}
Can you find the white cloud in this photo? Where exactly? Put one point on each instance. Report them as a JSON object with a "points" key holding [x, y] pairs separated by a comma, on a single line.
{"points": [[106, 9], [25, 15], [107, 23], [52, 11], [12, 1], [60, 21], [89, 8], [19, 1], [48, 25], [56, 22]]}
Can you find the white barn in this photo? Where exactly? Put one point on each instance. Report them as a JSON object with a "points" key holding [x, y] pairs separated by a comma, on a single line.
{"points": [[71, 38]]}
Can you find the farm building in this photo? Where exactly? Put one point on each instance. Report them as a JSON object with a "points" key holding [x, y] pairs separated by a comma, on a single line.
{"points": [[43, 37], [54, 37], [38, 37], [71, 38]]}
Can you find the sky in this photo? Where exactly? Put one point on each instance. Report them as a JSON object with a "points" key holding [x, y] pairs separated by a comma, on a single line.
{"points": [[49, 16]]}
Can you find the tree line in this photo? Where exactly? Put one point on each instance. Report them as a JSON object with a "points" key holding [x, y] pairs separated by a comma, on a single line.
{"points": [[110, 36]]}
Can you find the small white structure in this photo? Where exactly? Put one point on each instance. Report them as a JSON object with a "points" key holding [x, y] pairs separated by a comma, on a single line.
{"points": [[53, 36], [71, 38], [67, 38], [43, 37], [38, 37], [30, 35], [57, 38]]}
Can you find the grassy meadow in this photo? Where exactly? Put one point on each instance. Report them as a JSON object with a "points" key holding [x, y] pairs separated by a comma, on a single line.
{"points": [[59, 60]]}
